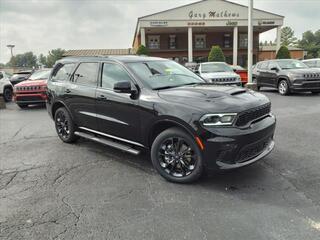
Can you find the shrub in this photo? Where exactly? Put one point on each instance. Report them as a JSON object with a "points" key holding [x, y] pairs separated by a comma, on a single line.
{"points": [[283, 53], [216, 55], [142, 50]]}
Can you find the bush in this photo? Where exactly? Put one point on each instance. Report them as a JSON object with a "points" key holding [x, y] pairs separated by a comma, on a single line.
{"points": [[142, 50], [216, 55], [283, 53]]}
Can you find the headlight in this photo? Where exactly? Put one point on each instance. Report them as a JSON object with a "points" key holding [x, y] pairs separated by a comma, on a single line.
{"points": [[218, 119], [295, 76]]}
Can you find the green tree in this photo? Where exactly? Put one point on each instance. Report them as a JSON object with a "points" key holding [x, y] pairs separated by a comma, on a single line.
{"points": [[287, 37], [42, 60], [142, 50], [283, 53], [27, 59], [216, 55], [53, 56], [310, 42]]}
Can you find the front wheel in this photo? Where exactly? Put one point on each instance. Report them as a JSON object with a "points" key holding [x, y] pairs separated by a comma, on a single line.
{"points": [[176, 156], [22, 106], [315, 92], [283, 87], [7, 94], [64, 125]]}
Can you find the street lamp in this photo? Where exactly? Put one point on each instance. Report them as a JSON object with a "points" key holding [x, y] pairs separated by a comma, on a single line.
{"points": [[11, 46]]}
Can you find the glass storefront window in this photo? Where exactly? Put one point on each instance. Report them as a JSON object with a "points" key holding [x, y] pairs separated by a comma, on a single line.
{"points": [[243, 40], [154, 42], [172, 41], [200, 41], [227, 40]]}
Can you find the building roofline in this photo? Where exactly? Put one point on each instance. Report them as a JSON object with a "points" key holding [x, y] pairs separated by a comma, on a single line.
{"points": [[170, 9]]}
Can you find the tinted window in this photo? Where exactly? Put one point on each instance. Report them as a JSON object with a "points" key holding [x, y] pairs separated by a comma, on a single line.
{"points": [[63, 72], [273, 65], [263, 65], [86, 74], [1, 75], [113, 73]]}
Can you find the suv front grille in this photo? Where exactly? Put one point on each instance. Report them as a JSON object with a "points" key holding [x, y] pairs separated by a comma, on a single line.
{"points": [[231, 79], [252, 114], [312, 75], [28, 88]]}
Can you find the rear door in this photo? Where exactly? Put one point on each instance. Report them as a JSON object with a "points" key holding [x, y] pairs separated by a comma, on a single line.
{"points": [[80, 94], [118, 114]]}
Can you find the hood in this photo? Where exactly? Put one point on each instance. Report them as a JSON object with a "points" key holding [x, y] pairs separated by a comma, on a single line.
{"points": [[219, 75], [28, 83], [303, 70], [213, 99]]}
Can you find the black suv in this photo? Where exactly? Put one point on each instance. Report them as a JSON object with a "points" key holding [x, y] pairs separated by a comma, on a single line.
{"points": [[134, 103], [287, 75]]}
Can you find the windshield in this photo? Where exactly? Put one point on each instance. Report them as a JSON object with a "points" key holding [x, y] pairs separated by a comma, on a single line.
{"points": [[44, 74], [291, 64], [215, 67], [164, 74]]}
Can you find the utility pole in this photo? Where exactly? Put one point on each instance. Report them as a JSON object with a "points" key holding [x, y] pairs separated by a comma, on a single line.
{"points": [[11, 46], [250, 84]]}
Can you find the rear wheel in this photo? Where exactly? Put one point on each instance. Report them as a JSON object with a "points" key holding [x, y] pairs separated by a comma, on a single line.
{"points": [[283, 87], [7, 94], [64, 125], [176, 156]]}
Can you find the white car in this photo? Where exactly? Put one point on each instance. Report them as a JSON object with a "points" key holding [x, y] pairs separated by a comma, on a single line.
{"points": [[6, 88], [218, 73], [312, 63]]}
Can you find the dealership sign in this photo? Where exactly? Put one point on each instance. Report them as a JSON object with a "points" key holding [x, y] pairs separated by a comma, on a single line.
{"points": [[213, 14], [158, 23]]}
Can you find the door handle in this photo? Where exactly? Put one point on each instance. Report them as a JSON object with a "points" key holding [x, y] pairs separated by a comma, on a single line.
{"points": [[68, 90], [102, 98]]}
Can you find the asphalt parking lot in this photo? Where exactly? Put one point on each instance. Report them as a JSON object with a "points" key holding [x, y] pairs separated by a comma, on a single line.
{"points": [[52, 190]]}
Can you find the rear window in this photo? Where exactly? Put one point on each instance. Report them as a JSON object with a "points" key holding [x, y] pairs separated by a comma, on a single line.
{"points": [[86, 74], [62, 72]]}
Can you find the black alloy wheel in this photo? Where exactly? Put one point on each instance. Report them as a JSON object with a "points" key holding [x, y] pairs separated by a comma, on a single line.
{"points": [[64, 125], [176, 156]]}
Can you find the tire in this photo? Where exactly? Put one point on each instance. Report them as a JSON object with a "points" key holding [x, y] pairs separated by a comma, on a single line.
{"points": [[315, 92], [258, 88], [65, 126], [7, 94], [283, 87], [184, 168], [23, 106]]}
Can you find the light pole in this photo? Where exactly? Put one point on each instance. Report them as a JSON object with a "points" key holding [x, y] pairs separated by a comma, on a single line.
{"points": [[250, 43], [11, 46]]}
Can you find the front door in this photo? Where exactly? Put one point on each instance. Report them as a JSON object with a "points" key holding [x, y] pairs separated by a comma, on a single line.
{"points": [[271, 75], [117, 113]]}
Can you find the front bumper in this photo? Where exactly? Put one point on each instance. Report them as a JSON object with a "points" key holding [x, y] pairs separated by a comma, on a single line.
{"points": [[306, 86], [30, 98], [231, 147]]}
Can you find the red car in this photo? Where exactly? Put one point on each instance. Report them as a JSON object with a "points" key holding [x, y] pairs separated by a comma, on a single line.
{"points": [[33, 90], [242, 72]]}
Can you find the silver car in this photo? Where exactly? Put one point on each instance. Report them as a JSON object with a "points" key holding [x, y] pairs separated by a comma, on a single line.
{"points": [[312, 63], [218, 73]]}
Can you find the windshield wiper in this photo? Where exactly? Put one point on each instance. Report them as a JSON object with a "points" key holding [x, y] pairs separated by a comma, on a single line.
{"points": [[175, 86]]}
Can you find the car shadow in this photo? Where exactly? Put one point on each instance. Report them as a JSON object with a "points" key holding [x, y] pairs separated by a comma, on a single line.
{"points": [[294, 94]]}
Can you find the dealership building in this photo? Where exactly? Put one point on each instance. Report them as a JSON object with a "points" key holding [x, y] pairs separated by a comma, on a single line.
{"points": [[187, 33]]}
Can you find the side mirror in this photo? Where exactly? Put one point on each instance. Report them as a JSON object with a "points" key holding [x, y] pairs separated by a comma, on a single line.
{"points": [[122, 87], [274, 69]]}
